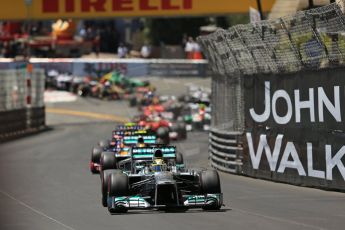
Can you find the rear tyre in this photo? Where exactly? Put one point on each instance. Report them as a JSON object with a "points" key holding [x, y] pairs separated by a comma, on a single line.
{"points": [[96, 154], [104, 183], [174, 128], [163, 135], [179, 159], [182, 131], [210, 183], [118, 186], [108, 161], [95, 158]]}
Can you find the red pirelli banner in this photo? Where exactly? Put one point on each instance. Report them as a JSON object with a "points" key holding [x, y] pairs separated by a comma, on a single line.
{"points": [[53, 9]]}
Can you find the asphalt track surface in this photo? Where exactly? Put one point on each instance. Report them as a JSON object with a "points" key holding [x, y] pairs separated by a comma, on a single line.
{"points": [[45, 184]]}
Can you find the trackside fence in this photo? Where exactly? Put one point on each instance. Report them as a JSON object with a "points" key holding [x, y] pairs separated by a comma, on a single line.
{"points": [[278, 98]]}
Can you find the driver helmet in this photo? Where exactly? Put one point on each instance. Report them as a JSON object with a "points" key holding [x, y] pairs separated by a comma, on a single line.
{"points": [[157, 118], [150, 94], [140, 142], [157, 161]]}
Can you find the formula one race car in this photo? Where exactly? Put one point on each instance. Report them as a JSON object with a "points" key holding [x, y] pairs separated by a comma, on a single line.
{"points": [[165, 129], [197, 117], [110, 162], [157, 182], [131, 131], [143, 96], [118, 148], [196, 94]]}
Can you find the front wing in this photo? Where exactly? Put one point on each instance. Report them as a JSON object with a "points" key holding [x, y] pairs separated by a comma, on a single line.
{"points": [[189, 201]]}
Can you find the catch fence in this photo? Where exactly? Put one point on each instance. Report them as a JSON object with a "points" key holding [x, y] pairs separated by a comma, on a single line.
{"points": [[284, 53]]}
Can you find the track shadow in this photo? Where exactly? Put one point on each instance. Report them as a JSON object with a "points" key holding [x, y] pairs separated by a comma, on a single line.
{"points": [[155, 212]]}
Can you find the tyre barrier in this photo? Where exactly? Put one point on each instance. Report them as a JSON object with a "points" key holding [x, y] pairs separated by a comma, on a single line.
{"points": [[21, 122], [226, 150]]}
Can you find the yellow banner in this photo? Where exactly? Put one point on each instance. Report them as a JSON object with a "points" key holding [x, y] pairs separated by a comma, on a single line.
{"points": [[94, 9]]}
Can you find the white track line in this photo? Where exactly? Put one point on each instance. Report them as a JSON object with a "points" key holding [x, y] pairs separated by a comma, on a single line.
{"points": [[36, 211]]}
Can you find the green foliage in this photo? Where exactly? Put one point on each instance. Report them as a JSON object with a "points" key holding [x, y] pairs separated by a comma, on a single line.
{"points": [[235, 19], [170, 31]]}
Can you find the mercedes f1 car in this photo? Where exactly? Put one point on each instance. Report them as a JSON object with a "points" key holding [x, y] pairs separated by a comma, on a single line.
{"points": [[155, 181], [117, 149]]}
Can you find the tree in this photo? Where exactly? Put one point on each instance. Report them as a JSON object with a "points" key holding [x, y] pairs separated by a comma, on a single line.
{"points": [[170, 31]]}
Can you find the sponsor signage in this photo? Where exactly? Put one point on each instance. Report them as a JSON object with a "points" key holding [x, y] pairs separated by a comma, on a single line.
{"points": [[295, 127], [52, 9], [254, 15]]}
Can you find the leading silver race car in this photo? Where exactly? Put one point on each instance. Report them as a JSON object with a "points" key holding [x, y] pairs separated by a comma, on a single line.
{"points": [[156, 182]]}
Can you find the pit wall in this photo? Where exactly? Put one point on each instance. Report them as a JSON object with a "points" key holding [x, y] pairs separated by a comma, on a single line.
{"points": [[294, 130]]}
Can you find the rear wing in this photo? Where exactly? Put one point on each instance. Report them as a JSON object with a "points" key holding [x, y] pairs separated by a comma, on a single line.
{"points": [[122, 133], [146, 153], [131, 140], [129, 127]]}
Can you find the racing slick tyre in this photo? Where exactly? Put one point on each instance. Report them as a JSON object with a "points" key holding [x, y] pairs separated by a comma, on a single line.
{"points": [[104, 143], [210, 183], [118, 185], [104, 182], [179, 159], [95, 158], [163, 135], [96, 154], [83, 91], [175, 110], [174, 133], [182, 131], [108, 161]]}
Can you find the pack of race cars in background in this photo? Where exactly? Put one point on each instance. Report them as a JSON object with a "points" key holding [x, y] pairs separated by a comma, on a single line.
{"points": [[138, 171], [188, 112]]}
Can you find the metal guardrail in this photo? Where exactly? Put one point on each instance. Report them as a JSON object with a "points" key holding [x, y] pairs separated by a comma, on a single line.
{"points": [[225, 150], [20, 122], [12, 121]]}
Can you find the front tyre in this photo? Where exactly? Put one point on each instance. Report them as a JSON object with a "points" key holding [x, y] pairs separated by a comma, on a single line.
{"points": [[118, 185], [104, 184], [210, 184]]}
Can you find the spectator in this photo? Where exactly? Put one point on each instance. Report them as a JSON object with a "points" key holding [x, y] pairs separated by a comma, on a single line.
{"points": [[122, 51], [82, 32], [189, 48], [196, 51], [145, 51]]}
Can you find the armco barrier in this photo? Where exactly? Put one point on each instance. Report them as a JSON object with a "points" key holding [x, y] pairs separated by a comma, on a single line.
{"points": [[36, 118], [20, 122], [12, 121], [226, 151]]}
